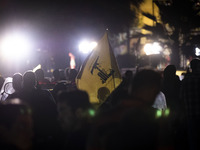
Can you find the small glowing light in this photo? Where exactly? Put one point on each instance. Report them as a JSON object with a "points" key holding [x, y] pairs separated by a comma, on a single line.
{"points": [[92, 112], [72, 61], [86, 47], [158, 113], [51, 70], [154, 48], [197, 51], [167, 112]]}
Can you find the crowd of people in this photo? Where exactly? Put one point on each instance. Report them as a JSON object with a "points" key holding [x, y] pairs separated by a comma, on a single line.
{"points": [[55, 114]]}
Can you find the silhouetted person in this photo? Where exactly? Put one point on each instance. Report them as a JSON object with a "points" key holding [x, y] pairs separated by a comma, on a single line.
{"points": [[75, 118], [17, 85], [102, 94], [42, 82], [137, 130], [56, 76], [171, 88], [121, 92], [62, 75], [145, 86], [43, 107], [67, 73], [1, 81], [190, 94], [17, 81], [66, 84], [16, 126], [72, 76]]}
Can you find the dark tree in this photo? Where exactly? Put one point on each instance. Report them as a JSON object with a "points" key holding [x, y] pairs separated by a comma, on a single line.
{"points": [[183, 17]]}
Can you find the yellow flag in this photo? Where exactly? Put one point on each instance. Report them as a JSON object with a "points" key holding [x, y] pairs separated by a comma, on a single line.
{"points": [[99, 74]]}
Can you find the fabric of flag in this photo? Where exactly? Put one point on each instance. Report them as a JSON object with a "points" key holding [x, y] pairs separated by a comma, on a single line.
{"points": [[99, 74]]}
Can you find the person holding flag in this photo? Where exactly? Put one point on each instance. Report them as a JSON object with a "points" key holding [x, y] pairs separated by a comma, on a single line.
{"points": [[99, 71]]}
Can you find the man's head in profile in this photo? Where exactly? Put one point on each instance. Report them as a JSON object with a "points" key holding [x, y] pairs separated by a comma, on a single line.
{"points": [[103, 93]]}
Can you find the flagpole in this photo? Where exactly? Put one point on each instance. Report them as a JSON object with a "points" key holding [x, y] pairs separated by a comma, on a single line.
{"points": [[113, 81], [111, 63]]}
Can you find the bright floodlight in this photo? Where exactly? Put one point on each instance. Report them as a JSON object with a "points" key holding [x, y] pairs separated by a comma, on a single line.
{"points": [[197, 51], [154, 48], [15, 46], [86, 47]]}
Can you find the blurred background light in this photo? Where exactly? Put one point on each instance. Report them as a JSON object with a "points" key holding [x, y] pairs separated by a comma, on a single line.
{"points": [[87, 47], [151, 49], [72, 61], [37, 67], [197, 51], [15, 46]]}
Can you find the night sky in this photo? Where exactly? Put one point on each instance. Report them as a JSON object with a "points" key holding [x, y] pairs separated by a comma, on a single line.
{"points": [[54, 26], [57, 22], [59, 26], [52, 22]]}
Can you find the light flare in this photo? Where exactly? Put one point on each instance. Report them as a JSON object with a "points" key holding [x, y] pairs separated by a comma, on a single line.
{"points": [[87, 47], [15, 46], [154, 48], [72, 61]]}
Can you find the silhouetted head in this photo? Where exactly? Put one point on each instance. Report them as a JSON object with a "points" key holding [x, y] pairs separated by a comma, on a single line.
{"points": [[73, 107], [137, 130], [170, 71], [103, 93], [194, 65], [72, 74], [56, 74], [67, 73], [29, 79], [17, 81], [128, 74], [16, 126], [62, 74], [39, 74], [146, 85], [75, 99]]}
